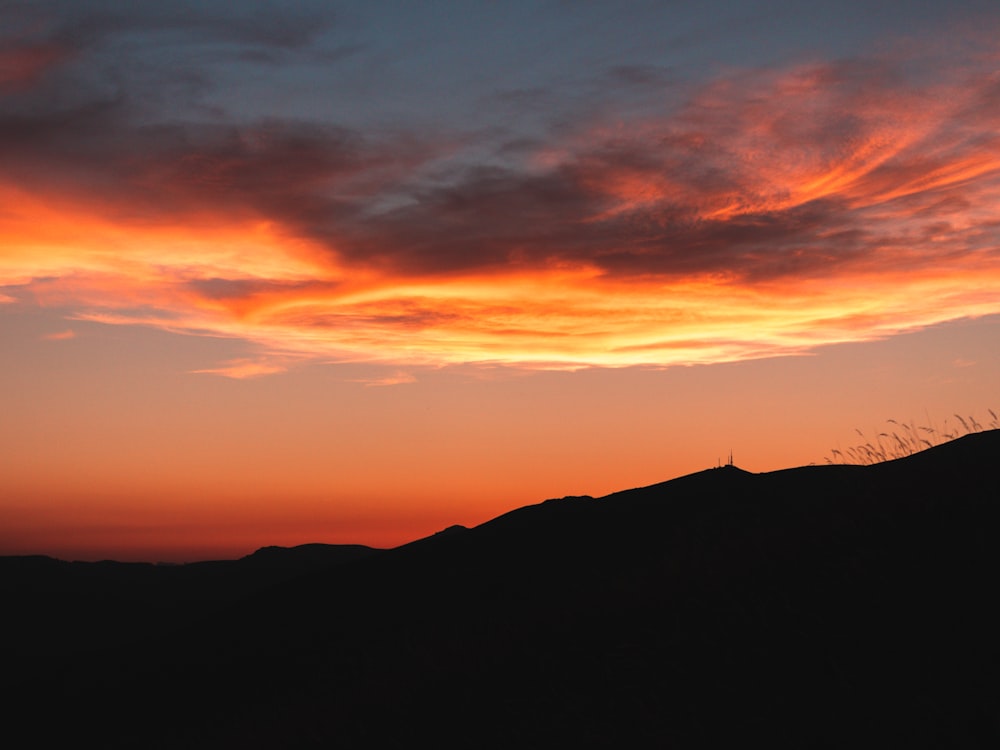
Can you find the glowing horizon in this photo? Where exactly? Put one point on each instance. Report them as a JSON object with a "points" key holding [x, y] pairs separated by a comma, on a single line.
{"points": [[371, 211]]}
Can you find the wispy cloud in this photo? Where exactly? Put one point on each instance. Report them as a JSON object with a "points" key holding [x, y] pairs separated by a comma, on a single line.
{"points": [[241, 369], [397, 378], [69, 333], [773, 211]]}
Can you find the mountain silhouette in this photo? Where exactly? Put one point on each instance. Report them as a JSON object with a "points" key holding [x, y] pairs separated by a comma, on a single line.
{"points": [[821, 606]]}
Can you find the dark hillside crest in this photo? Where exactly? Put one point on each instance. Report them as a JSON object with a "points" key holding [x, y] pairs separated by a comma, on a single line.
{"points": [[818, 606]]}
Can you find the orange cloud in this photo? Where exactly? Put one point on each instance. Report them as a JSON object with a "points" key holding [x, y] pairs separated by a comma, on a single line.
{"points": [[60, 336], [774, 212], [397, 378], [240, 369]]}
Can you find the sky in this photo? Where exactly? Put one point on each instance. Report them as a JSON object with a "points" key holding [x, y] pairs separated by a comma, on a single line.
{"points": [[344, 272]]}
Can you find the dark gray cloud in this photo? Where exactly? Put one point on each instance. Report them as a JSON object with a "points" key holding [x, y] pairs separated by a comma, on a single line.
{"points": [[718, 185], [84, 24]]}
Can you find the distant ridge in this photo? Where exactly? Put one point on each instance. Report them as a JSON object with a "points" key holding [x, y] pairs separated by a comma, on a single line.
{"points": [[309, 555], [968, 449], [818, 606]]}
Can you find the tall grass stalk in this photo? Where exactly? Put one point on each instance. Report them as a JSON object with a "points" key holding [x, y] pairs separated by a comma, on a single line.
{"points": [[902, 439]]}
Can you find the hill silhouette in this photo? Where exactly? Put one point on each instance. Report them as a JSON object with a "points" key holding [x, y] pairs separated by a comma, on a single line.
{"points": [[822, 606]]}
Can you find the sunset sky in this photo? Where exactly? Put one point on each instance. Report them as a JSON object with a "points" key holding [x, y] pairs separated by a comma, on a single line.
{"points": [[345, 272]]}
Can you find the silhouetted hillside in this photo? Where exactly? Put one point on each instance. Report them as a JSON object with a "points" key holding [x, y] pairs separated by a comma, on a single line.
{"points": [[74, 607], [826, 606]]}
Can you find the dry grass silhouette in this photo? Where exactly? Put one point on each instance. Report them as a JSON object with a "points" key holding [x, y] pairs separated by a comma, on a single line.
{"points": [[902, 439]]}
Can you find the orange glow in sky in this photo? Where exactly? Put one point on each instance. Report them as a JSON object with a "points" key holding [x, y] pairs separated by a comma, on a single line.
{"points": [[802, 237], [764, 211]]}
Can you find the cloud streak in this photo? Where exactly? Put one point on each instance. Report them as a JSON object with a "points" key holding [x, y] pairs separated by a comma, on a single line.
{"points": [[773, 211], [242, 369], [66, 335]]}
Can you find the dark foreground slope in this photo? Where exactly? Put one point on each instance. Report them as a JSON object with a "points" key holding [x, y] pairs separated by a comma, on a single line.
{"points": [[831, 606]]}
